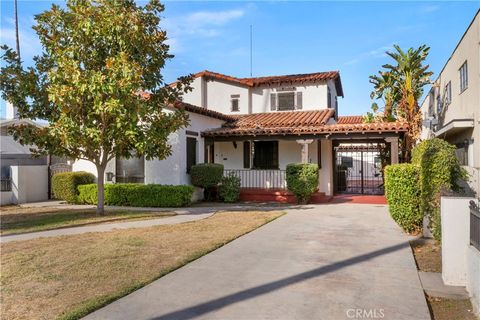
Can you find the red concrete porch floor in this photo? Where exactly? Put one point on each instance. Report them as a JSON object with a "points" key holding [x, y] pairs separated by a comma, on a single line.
{"points": [[359, 198], [284, 196]]}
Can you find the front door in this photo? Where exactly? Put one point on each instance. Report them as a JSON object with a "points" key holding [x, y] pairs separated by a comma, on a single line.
{"points": [[358, 170]]}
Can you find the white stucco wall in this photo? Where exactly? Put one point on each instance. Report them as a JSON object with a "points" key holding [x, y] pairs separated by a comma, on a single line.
{"points": [[172, 170], [460, 260], [219, 97], [88, 166], [195, 96], [326, 172], [29, 183], [6, 197]]}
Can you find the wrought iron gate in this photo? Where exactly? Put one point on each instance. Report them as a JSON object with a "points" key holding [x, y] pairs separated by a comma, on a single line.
{"points": [[358, 169]]}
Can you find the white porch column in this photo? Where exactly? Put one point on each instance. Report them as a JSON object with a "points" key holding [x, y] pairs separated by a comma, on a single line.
{"points": [[304, 143]]}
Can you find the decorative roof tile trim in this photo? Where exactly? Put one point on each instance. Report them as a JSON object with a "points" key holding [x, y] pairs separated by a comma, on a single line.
{"points": [[350, 120], [203, 111], [277, 80], [310, 130]]}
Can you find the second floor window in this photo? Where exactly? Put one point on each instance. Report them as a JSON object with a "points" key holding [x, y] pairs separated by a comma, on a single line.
{"points": [[463, 77], [286, 101], [235, 99], [448, 93]]}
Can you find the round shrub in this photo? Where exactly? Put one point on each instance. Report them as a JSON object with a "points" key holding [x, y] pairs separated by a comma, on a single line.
{"points": [[302, 180], [65, 184], [206, 175], [229, 188], [403, 195], [439, 170]]}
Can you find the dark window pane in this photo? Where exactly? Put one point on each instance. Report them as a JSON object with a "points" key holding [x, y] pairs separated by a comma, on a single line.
{"points": [[191, 153], [246, 154], [130, 170], [265, 155], [286, 101]]}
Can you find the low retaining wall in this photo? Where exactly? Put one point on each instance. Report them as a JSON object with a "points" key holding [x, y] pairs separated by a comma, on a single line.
{"points": [[460, 260]]}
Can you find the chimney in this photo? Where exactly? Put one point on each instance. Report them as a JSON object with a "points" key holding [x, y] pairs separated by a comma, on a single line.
{"points": [[12, 112]]}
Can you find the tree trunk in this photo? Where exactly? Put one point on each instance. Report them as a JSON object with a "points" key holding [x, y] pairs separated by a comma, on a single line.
{"points": [[100, 190]]}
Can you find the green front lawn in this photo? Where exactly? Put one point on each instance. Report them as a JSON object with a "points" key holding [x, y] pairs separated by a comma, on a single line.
{"points": [[22, 220]]}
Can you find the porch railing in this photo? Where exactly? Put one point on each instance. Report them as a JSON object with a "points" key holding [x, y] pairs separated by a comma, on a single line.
{"points": [[6, 184], [474, 225], [265, 179]]}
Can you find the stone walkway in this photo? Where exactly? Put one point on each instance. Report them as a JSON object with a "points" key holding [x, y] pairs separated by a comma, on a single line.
{"points": [[341, 261]]}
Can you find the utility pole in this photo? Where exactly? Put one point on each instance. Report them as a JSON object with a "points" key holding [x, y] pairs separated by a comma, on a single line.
{"points": [[16, 29]]}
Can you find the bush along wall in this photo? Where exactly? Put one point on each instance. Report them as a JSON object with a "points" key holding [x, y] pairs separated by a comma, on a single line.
{"points": [[207, 176], [439, 170], [302, 180], [138, 195], [403, 195], [64, 185], [229, 189]]}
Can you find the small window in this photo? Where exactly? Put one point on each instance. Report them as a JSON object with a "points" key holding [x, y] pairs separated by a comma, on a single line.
{"points": [[329, 98], [235, 99], [463, 77], [448, 93], [191, 153], [439, 104], [265, 155], [431, 102], [462, 154], [286, 101], [131, 170]]}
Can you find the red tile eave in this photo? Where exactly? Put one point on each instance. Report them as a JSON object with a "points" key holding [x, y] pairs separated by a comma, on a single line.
{"points": [[390, 127]]}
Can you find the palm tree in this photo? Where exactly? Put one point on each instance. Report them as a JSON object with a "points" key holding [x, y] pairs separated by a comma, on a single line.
{"points": [[400, 85]]}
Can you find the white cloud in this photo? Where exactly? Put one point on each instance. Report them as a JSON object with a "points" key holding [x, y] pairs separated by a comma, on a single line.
{"points": [[430, 8], [372, 54], [205, 24]]}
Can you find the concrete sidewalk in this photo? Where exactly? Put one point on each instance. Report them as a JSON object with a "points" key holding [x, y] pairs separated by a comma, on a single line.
{"points": [[183, 215], [318, 262]]}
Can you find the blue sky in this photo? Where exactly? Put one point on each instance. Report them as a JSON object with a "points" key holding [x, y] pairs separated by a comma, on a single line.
{"points": [[288, 37]]}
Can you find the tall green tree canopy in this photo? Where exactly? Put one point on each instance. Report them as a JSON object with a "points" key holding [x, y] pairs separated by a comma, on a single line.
{"points": [[400, 85], [99, 59]]}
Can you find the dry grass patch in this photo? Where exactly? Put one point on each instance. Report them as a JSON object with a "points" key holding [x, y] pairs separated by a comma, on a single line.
{"points": [[71, 276], [428, 254], [22, 220]]}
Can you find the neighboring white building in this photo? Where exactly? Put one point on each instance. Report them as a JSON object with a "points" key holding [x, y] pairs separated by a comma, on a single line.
{"points": [[451, 110], [23, 178], [255, 127]]}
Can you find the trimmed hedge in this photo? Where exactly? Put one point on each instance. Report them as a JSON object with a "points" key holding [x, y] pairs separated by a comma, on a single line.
{"points": [[439, 170], [64, 185], [138, 195], [206, 175], [229, 188], [302, 180], [403, 195]]}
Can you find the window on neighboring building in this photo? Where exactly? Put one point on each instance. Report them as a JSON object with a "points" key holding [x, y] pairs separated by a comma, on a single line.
{"points": [[286, 101], [235, 99], [431, 102], [265, 155], [191, 153], [448, 93], [130, 170], [462, 153], [463, 77], [439, 104]]}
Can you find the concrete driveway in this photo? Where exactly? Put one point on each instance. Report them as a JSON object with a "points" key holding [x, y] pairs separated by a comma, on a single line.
{"points": [[341, 261]]}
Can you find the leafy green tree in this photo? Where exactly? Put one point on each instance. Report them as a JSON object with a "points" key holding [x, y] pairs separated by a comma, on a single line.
{"points": [[400, 85], [97, 83]]}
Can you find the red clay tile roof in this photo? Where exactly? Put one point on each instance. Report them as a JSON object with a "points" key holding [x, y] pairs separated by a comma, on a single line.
{"points": [[298, 123], [349, 119], [277, 80], [203, 111]]}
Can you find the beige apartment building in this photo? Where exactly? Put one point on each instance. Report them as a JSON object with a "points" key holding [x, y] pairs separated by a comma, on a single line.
{"points": [[451, 110]]}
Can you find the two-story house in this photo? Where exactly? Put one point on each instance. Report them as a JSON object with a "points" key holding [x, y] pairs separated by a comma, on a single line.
{"points": [[256, 126], [451, 110]]}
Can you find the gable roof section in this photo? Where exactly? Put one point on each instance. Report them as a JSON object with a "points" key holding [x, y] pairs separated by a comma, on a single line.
{"points": [[350, 119], [203, 111], [277, 80], [300, 123]]}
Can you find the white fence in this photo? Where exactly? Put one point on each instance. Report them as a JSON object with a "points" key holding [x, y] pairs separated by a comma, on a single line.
{"points": [[265, 179]]}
